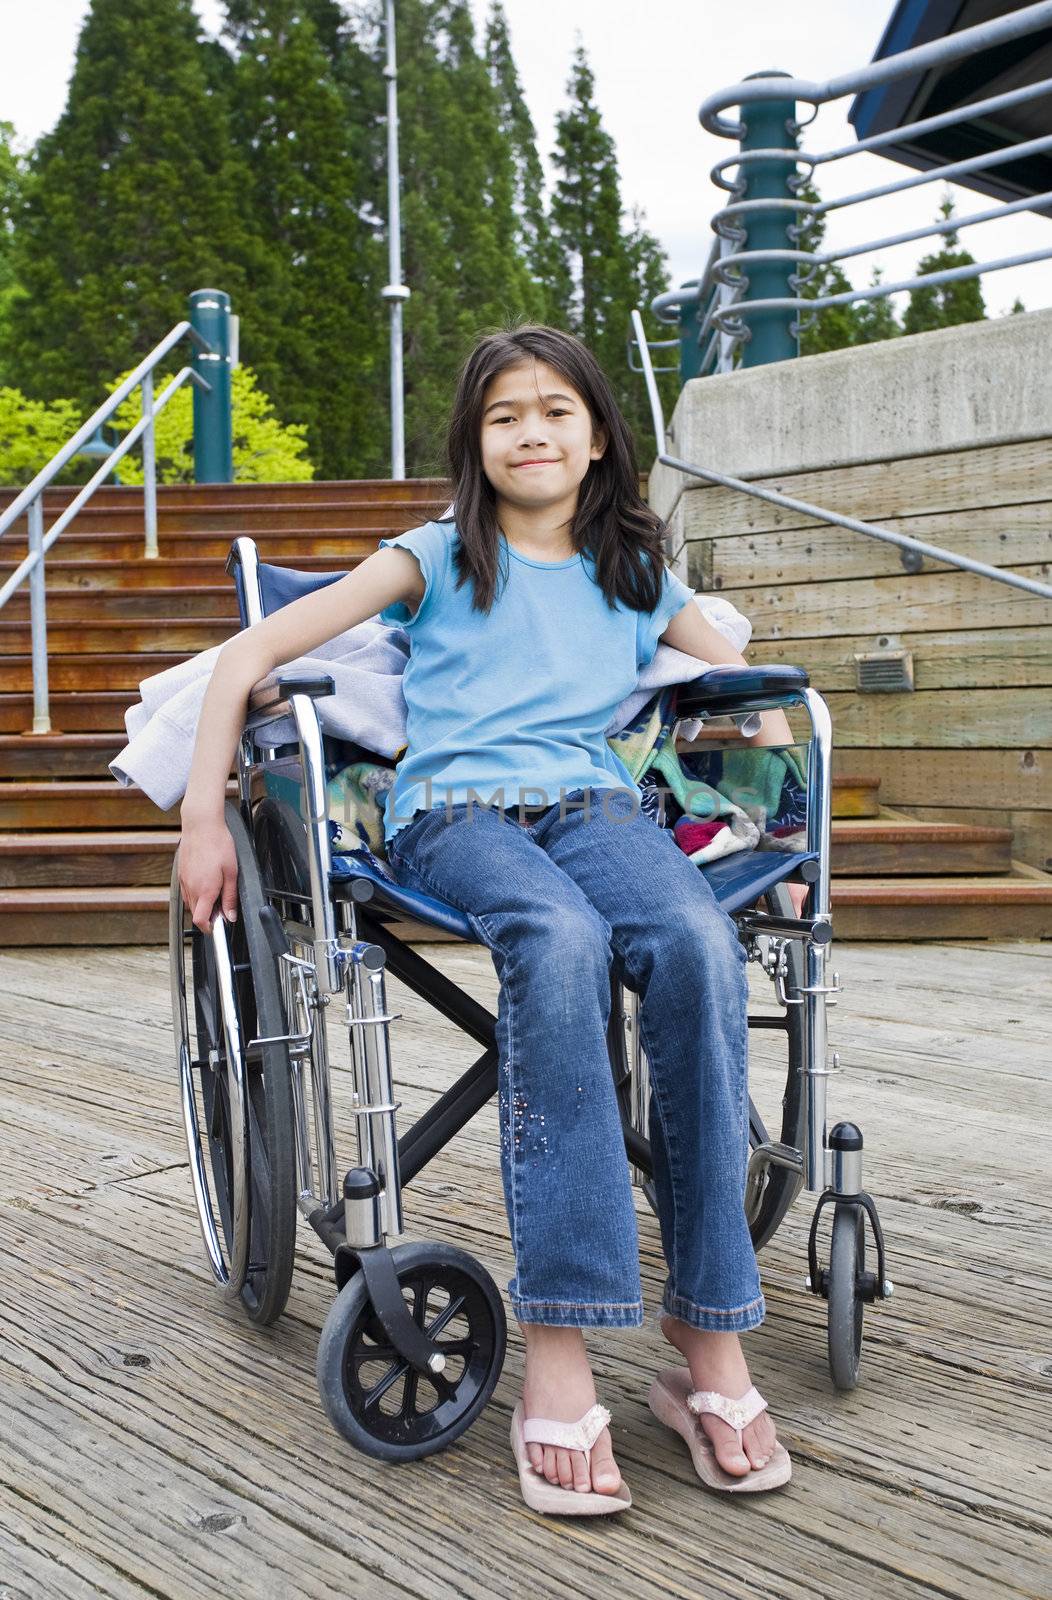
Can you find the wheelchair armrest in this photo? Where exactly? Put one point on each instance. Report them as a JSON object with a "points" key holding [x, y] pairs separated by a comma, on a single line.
{"points": [[270, 697], [722, 690]]}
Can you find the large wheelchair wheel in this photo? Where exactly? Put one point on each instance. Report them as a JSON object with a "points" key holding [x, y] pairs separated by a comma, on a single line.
{"points": [[236, 1096], [374, 1398]]}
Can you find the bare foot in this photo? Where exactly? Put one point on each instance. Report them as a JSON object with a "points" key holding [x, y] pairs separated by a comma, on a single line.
{"points": [[559, 1385], [716, 1362]]}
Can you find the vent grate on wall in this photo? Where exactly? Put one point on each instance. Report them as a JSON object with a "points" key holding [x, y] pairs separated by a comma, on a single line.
{"points": [[884, 672]]}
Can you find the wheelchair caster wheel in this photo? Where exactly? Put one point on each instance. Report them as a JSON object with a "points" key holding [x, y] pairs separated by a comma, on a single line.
{"points": [[847, 1262], [374, 1398]]}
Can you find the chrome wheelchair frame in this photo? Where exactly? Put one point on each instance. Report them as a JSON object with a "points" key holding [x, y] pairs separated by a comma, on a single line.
{"points": [[250, 1004]]}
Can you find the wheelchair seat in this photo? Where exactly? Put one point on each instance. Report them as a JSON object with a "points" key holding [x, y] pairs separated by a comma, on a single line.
{"points": [[737, 881]]}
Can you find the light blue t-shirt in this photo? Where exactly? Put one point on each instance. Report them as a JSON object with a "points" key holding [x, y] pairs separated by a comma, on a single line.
{"points": [[510, 708]]}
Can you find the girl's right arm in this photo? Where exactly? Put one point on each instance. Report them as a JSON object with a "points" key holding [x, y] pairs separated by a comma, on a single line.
{"points": [[207, 864]]}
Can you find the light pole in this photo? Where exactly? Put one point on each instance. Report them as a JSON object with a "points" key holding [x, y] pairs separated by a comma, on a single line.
{"points": [[395, 291]]}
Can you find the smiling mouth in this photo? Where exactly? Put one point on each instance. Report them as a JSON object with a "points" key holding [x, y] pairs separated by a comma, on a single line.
{"points": [[518, 464]]}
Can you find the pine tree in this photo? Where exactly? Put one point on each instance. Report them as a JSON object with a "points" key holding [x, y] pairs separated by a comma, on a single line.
{"points": [[533, 236], [130, 203], [945, 304], [12, 168], [836, 327], [316, 339], [607, 269], [875, 319]]}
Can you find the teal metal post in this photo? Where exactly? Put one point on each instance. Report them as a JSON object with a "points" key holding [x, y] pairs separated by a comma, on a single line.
{"points": [[213, 428], [689, 327], [769, 125]]}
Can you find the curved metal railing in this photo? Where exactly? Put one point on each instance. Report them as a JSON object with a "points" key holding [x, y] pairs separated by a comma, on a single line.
{"points": [[723, 306]]}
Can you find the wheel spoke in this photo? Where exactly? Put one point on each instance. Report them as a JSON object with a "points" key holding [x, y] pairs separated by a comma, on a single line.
{"points": [[388, 1381], [409, 1401], [445, 1316], [458, 1347]]}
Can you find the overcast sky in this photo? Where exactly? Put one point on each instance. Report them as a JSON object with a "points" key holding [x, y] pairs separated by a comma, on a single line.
{"points": [[653, 66]]}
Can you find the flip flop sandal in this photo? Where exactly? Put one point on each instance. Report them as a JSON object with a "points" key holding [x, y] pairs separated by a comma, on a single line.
{"points": [[538, 1493], [674, 1403]]}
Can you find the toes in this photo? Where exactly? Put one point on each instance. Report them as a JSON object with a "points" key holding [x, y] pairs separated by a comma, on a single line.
{"points": [[565, 1468], [605, 1475], [550, 1469], [582, 1481], [536, 1456], [725, 1444]]}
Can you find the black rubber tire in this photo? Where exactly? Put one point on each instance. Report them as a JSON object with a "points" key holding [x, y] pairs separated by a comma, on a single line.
{"points": [[847, 1261], [348, 1345], [272, 1147]]}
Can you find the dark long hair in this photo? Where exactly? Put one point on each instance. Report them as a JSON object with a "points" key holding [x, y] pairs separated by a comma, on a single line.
{"points": [[612, 522]]}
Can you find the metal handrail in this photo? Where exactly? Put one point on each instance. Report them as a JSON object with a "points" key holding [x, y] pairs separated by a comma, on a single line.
{"points": [[820, 513], [731, 320], [31, 500]]}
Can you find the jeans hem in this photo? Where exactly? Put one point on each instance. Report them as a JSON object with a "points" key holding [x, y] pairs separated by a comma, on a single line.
{"points": [[574, 1314], [736, 1319]]}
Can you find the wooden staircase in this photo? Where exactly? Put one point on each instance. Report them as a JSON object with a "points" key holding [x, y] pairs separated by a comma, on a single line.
{"points": [[83, 861]]}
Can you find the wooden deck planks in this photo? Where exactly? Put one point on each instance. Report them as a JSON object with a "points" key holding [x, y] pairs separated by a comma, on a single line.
{"points": [[156, 1444]]}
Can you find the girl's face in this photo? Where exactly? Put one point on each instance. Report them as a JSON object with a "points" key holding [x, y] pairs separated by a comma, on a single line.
{"points": [[537, 436]]}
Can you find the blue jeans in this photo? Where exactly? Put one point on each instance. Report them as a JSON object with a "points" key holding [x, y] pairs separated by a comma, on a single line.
{"points": [[553, 901]]}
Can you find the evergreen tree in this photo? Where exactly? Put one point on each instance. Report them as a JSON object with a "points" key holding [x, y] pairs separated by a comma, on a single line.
{"points": [[129, 205], [837, 327], [534, 240], [316, 340], [607, 270], [945, 304], [875, 319], [11, 181]]}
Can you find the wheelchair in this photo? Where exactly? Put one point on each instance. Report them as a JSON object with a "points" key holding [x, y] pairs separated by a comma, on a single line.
{"points": [[413, 1345]]}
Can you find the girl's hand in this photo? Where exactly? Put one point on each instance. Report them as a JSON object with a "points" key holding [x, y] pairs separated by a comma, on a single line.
{"points": [[208, 872]]}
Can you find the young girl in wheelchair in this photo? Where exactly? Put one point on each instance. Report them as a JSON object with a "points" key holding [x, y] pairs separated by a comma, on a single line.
{"points": [[530, 612]]}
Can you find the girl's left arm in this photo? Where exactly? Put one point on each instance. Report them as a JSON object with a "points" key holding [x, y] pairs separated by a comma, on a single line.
{"points": [[688, 631]]}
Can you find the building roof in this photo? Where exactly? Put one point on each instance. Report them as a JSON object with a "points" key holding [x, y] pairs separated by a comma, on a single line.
{"points": [[1008, 66]]}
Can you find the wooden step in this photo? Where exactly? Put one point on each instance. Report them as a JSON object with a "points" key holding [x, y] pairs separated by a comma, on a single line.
{"points": [[1009, 908], [1014, 906], [86, 860], [85, 803], [377, 491], [338, 544], [128, 604], [186, 635], [58, 755], [105, 671], [89, 575], [83, 916], [891, 846], [855, 797], [73, 713]]}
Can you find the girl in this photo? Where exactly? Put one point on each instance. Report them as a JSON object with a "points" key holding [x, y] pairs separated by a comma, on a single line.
{"points": [[530, 614]]}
